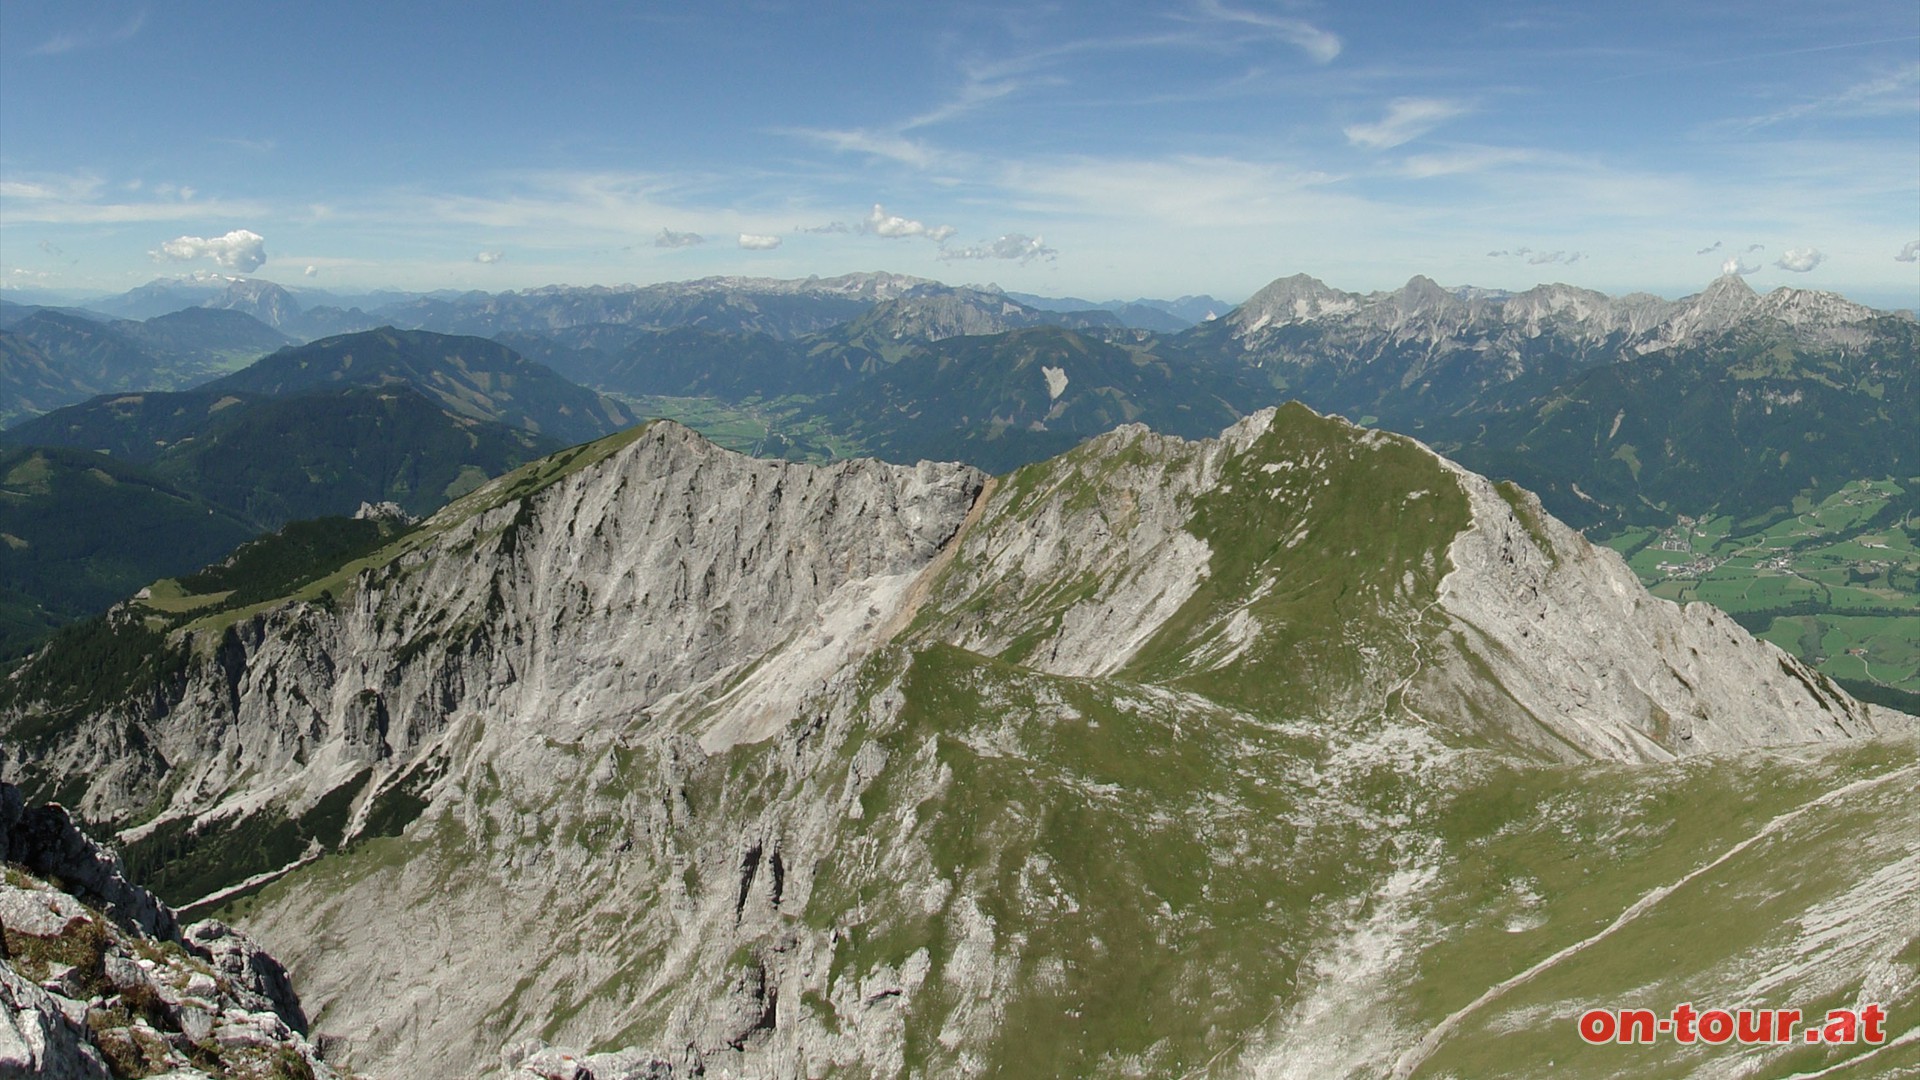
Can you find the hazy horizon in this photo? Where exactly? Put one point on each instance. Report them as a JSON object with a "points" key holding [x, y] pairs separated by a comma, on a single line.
{"points": [[79, 297]]}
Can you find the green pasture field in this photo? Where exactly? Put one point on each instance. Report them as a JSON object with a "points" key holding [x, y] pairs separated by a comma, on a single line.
{"points": [[1835, 580]]}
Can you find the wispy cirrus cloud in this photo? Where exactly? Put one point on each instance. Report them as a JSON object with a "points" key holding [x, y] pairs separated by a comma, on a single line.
{"points": [[1406, 119], [1472, 159], [891, 145], [1186, 191], [86, 199], [91, 37], [667, 238], [1890, 94], [1322, 45], [1909, 252]]}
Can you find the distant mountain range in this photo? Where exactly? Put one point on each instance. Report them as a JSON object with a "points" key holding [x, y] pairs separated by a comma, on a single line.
{"points": [[1165, 316], [407, 416], [1616, 409], [1464, 368], [161, 482], [781, 308], [51, 357]]}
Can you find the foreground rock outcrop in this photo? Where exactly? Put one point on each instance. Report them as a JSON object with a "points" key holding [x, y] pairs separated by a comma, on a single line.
{"points": [[97, 980]]}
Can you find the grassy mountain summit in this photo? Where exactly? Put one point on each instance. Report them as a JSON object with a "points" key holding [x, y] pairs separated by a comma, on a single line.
{"points": [[469, 376], [1210, 745]]}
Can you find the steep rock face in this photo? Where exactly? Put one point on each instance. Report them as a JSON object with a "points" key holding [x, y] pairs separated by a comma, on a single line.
{"points": [[631, 588], [762, 769], [1532, 602]]}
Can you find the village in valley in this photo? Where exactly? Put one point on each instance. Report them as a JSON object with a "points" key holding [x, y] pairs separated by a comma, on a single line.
{"points": [[1835, 581]]}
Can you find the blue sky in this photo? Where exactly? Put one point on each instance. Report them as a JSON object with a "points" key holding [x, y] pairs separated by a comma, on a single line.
{"points": [[1100, 150]]}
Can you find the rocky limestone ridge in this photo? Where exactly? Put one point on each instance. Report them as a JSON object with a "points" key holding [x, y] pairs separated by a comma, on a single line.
{"points": [[97, 980], [871, 285], [1529, 599], [640, 587], [1549, 636], [655, 745], [934, 314], [1637, 323]]}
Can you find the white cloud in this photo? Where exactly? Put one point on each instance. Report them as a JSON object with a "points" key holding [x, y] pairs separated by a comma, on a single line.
{"points": [[1540, 258], [1406, 119], [489, 257], [1800, 260], [242, 249], [1741, 265], [1909, 253], [312, 271], [1017, 246], [667, 238], [1315, 42], [881, 223], [756, 242]]}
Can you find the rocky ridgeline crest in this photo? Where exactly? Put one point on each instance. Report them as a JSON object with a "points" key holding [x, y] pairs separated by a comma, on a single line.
{"points": [[1635, 323], [98, 980]]}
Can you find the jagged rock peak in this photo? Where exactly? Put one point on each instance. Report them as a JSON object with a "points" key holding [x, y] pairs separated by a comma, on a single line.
{"points": [[1297, 298], [1801, 306], [45, 840], [1422, 295]]}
